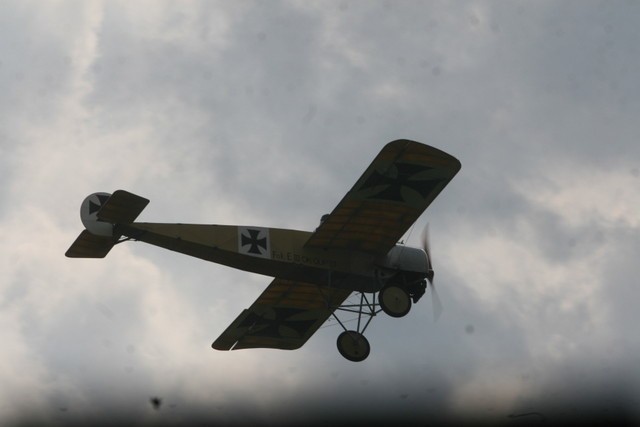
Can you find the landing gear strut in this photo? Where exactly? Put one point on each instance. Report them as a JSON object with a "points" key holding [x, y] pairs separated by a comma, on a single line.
{"points": [[352, 345], [393, 299]]}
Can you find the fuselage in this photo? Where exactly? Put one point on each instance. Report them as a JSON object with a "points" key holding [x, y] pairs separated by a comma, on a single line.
{"points": [[280, 253]]}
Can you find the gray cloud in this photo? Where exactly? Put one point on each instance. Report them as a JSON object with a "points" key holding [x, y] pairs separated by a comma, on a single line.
{"points": [[266, 114]]}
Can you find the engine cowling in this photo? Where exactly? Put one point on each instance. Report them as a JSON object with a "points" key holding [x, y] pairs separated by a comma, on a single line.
{"points": [[89, 215]]}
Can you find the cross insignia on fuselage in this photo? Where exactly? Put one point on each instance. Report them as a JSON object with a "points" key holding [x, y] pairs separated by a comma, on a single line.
{"points": [[258, 245]]}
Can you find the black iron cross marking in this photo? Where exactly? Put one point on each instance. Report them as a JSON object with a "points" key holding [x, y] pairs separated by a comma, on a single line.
{"points": [[93, 208], [277, 323], [402, 175], [255, 243]]}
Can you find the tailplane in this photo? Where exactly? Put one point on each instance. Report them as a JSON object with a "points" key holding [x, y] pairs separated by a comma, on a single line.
{"points": [[99, 213]]}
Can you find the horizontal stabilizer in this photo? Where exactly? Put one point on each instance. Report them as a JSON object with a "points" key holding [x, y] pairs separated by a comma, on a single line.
{"points": [[122, 208], [89, 245]]}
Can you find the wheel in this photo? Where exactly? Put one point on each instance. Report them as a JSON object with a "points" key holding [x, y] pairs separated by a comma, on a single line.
{"points": [[353, 346], [394, 301]]}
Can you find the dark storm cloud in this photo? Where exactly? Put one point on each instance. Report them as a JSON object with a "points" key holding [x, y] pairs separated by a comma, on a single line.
{"points": [[580, 393]]}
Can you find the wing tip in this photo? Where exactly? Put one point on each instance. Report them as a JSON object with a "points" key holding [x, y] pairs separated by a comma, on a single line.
{"points": [[404, 144], [221, 347]]}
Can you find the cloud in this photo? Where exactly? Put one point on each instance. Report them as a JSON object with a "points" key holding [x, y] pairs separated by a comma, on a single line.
{"points": [[266, 114]]}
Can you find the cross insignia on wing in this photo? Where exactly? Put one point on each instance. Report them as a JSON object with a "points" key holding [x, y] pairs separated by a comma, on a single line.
{"points": [[401, 182], [278, 322]]}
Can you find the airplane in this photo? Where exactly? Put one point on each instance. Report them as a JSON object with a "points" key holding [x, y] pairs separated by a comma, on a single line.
{"points": [[354, 249]]}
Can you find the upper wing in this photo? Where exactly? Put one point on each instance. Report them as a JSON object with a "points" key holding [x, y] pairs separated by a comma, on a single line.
{"points": [[392, 193], [284, 316]]}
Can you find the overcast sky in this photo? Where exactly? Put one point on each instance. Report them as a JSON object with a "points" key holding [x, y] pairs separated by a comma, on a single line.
{"points": [[265, 113]]}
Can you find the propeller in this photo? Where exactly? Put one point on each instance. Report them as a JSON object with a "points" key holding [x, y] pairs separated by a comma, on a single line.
{"points": [[435, 299]]}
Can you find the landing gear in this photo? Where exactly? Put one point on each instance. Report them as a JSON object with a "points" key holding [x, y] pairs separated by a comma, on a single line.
{"points": [[394, 300], [353, 346]]}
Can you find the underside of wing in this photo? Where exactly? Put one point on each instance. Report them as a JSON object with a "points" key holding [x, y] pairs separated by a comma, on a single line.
{"points": [[396, 188], [285, 316]]}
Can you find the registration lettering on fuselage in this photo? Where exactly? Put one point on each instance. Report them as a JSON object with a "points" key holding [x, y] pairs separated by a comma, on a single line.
{"points": [[302, 259]]}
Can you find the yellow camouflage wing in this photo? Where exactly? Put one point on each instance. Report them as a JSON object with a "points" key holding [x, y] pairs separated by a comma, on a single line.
{"points": [[284, 316], [396, 188]]}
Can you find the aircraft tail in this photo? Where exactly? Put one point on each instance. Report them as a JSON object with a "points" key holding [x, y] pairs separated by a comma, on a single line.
{"points": [[99, 213]]}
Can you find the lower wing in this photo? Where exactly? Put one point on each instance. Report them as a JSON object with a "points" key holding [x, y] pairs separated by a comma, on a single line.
{"points": [[285, 316]]}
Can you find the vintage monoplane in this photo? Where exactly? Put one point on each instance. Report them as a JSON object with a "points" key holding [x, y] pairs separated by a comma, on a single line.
{"points": [[354, 249]]}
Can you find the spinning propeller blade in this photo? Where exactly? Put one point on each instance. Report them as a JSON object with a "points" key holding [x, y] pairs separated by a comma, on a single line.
{"points": [[427, 249], [435, 303], [435, 299]]}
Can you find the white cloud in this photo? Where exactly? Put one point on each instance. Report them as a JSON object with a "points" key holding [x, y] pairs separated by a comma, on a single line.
{"points": [[587, 195]]}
